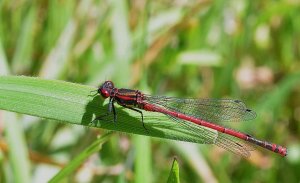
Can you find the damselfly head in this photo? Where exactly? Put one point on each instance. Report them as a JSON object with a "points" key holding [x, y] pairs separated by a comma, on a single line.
{"points": [[106, 88]]}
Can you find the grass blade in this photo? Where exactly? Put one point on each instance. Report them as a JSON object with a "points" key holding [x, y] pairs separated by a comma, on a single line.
{"points": [[22, 57], [18, 152], [74, 164], [174, 173], [142, 168], [77, 104]]}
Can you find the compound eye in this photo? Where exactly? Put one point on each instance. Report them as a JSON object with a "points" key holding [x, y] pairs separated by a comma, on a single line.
{"points": [[104, 93]]}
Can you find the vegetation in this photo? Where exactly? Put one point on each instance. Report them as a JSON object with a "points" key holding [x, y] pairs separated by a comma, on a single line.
{"points": [[247, 50]]}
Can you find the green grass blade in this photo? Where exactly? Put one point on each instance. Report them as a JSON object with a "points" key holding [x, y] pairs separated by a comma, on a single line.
{"points": [[22, 57], [18, 152], [192, 155], [3, 61], [58, 57], [74, 164], [174, 173], [121, 38], [74, 104], [142, 168]]}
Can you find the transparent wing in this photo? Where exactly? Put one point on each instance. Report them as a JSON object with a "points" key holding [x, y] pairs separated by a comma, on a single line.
{"points": [[229, 143], [166, 123], [211, 110]]}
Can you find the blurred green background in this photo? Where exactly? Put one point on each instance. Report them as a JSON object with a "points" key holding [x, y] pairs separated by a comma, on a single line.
{"points": [[246, 50]]}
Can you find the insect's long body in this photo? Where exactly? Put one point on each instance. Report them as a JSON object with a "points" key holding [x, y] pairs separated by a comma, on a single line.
{"points": [[137, 101]]}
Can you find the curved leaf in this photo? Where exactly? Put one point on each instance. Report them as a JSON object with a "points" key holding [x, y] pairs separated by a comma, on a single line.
{"points": [[79, 104]]}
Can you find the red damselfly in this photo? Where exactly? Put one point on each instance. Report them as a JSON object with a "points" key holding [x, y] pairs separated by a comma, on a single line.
{"points": [[205, 113]]}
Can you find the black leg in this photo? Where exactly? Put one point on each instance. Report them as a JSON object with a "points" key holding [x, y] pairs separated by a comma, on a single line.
{"points": [[111, 108], [141, 115], [110, 105]]}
